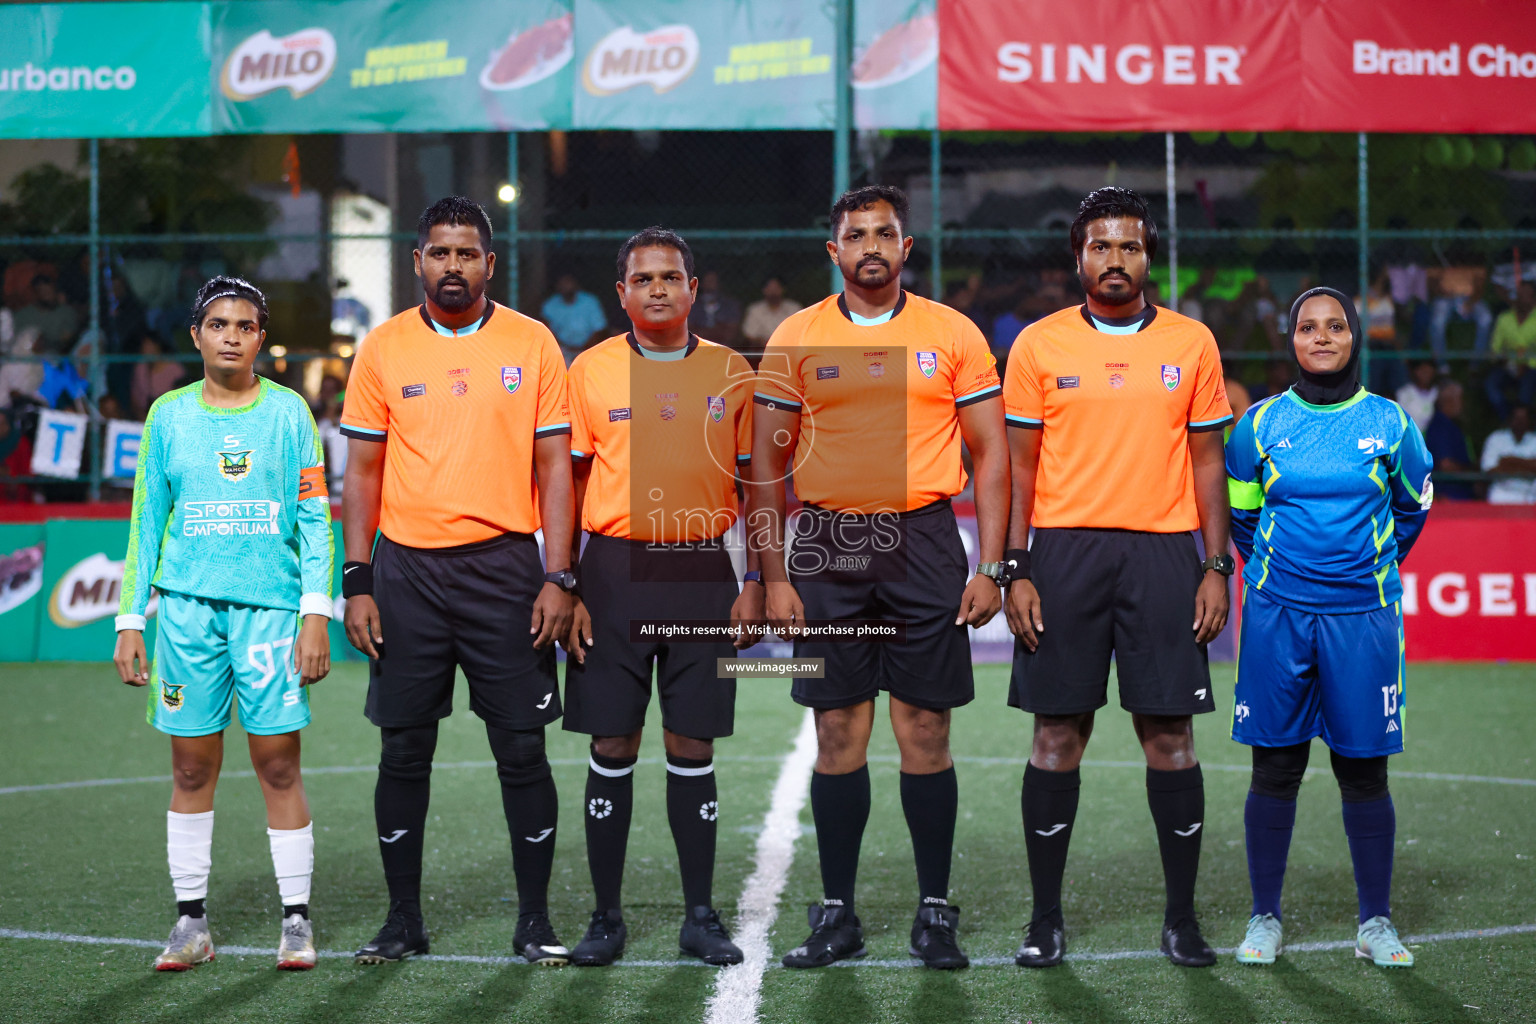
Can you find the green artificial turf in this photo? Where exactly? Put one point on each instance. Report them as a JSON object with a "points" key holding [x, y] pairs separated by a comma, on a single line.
{"points": [[91, 861]]}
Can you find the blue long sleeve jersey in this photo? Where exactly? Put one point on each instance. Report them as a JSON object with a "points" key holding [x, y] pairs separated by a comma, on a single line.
{"points": [[1327, 500], [230, 505]]}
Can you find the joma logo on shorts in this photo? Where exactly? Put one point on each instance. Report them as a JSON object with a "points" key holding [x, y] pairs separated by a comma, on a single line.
{"points": [[850, 563]]}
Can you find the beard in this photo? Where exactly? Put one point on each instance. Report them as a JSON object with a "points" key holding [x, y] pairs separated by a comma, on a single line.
{"points": [[455, 301], [1118, 292], [881, 273]]}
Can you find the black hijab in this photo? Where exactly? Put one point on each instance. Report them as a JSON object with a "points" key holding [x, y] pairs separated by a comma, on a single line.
{"points": [[1341, 385]]}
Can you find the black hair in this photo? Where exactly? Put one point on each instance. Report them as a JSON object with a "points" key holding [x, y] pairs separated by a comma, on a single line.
{"points": [[455, 211], [1113, 201], [658, 236], [864, 197], [225, 287]]}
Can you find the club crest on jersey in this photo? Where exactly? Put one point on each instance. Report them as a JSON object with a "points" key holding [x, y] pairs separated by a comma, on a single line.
{"points": [[511, 378], [1170, 377], [928, 362], [234, 466], [716, 408], [170, 695]]}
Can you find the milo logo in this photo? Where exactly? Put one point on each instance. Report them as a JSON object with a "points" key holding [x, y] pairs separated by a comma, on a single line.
{"points": [[298, 62], [624, 58]]}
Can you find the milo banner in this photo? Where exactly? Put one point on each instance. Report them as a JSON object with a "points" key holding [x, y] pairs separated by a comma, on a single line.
{"points": [[21, 585], [708, 64], [895, 75], [79, 70], [386, 65]]}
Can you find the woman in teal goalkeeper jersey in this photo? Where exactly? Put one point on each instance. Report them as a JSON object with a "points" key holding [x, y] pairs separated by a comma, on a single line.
{"points": [[231, 528], [1330, 488]]}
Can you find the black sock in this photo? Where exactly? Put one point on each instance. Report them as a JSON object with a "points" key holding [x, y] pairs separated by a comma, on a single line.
{"points": [[400, 801], [532, 807], [1177, 800], [190, 908], [610, 802], [1049, 802], [840, 808], [302, 909], [692, 807], [930, 803]]}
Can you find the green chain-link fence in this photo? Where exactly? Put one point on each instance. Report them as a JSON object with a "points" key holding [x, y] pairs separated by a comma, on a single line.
{"points": [[102, 245]]}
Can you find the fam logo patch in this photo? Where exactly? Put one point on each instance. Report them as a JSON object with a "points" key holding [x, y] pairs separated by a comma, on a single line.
{"points": [[459, 387], [1117, 380], [413, 391], [826, 372], [877, 369], [928, 362], [170, 695], [615, 415], [1171, 377], [1062, 383], [716, 408], [511, 378]]}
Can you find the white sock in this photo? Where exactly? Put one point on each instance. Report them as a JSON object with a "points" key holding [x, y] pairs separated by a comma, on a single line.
{"points": [[189, 850], [293, 861]]}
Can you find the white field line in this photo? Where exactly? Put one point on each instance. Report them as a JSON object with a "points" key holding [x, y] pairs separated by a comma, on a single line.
{"points": [[580, 762], [978, 961], [739, 989]]}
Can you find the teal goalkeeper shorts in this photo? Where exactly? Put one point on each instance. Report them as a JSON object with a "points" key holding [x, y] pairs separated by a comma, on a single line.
{"points": [[211, 654]]}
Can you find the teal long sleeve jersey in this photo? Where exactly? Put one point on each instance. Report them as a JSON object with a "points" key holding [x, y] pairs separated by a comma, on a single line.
{"points": [[230, 505], [1327, 500]]}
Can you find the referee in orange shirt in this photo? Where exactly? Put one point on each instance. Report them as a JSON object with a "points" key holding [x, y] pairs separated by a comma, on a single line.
{"points": [[458, 424], [661, 421], [1116, 410], [866, 397]]}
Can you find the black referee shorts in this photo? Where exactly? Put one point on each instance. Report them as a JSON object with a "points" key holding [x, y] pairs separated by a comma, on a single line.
{"points": [[468, 606], [908, 568], [624, 580], [1114, 591]]}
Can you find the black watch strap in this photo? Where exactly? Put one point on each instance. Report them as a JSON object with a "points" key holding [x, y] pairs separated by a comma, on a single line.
{"points": [[1222, 563], [564, 579]]}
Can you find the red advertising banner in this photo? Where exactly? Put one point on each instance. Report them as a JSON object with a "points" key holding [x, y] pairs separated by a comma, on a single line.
{"points": [[1238, 65]]}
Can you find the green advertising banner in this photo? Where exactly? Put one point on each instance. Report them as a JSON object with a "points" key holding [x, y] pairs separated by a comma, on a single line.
{"points": [[75, 71], [705, 64], [895, 75], [21, 589], [82, 581], [390, 65]]}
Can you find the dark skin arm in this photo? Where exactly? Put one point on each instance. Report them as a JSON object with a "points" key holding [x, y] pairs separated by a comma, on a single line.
{"points": [[767, 509], [1023, 605], [557, 505], [579, 638], [986, 437], [1207, 456], [363, 486]]}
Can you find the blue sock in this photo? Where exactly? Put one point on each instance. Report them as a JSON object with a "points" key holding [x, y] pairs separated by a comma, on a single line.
{"points": [[1268, 822], [1371, 828]]}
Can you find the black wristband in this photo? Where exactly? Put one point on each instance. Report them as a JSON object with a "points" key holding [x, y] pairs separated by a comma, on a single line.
{"points": [[1017, 561], [356, 579]]}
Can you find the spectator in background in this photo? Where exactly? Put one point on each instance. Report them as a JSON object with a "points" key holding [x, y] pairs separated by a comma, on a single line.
{"points": [[963, 297], [152, 379], [575, 317], [1237, 395], [65, 382], [1511, 453], [328, 423], [19, 276], [716, 316], [20, 380], [1459, 293], [1379, 314], [1418, 395], [15, 458], [1447, 443], [765, 315], [54, 319], [1514, 338], [1278, 377]]}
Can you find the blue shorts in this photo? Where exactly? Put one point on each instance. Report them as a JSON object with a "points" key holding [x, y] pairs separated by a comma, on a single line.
{"points": [[211, 653], [1301, 675]]}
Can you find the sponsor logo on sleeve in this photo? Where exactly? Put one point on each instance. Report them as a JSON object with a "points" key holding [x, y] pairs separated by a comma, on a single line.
{"points": [[413, 391], [1062, 383], [615, 415], [827, 372]]}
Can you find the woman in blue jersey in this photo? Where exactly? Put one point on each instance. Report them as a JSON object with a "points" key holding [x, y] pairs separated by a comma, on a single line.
{"points": [[1330, 488], [231, 527]]}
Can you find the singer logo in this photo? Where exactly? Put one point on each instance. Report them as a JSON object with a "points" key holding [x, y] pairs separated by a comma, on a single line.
{"points": [[624, 59], [1134, 64], [299, 63]]}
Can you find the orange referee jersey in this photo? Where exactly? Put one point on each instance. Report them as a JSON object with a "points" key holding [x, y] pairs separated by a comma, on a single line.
{"points": [[459, 413], [1116, 411], [878, 424], [665, 437]]}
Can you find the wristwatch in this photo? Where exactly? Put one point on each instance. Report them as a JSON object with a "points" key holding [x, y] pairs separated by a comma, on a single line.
{"points": [[1222, 563], [752, 576], [564, 579], [997, 572]]}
